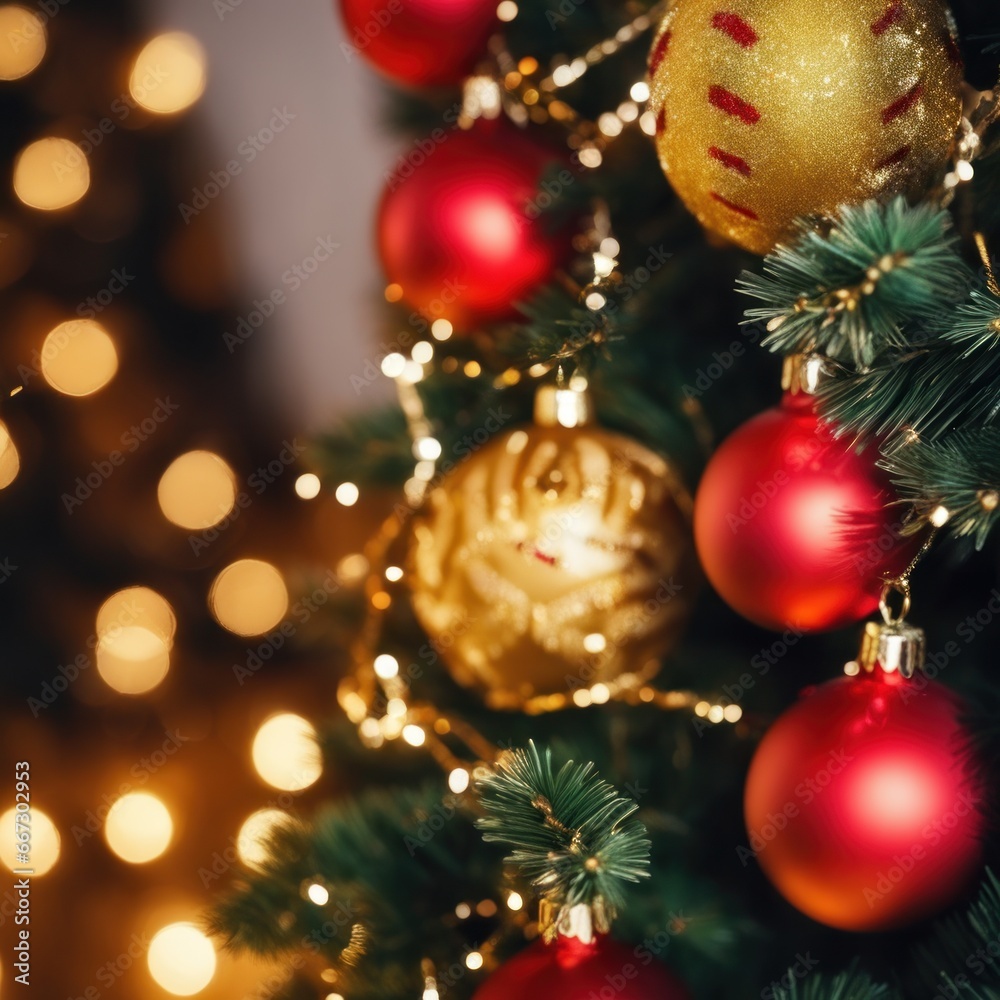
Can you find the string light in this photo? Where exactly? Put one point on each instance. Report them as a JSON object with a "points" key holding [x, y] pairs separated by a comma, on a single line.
{"points": [[22, 41], [386, 666], [394, 573], [10, 461], [50, 174], [169, 73], [347, 494], [138, 827], [248, 597], [308, 486], [181, 959], [318, 894], [197, 490], [458, 780], [514, 901], [257, 828], [45, 842], [474, 960], [285, 752], [133, 659], [78, 357]]}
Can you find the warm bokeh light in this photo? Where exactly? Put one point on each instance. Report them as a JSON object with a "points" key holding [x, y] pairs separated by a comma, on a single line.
{"points": [[22, 41], [133, 659], [308, 485], [197, 490], [181, 959], [138, 827], [169, 73], [347, 494], [251, 841], [10, 461], [51, 173], [248, 597], [285, 752], [44, 851], [136, 606], [78, 357]]}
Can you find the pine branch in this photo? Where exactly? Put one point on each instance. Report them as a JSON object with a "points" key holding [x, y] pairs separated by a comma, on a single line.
{"points": [[849, 985], [848, 294], [959, 960], [395, 862], [574, 837], [960, 473]]}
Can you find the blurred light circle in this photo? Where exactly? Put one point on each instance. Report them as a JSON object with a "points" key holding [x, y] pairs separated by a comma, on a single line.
{"points": [[22, 41], [197, 490], [248, 597], [133, 659], [78, 357], [10, 461], [169, 73], [138, 827], [251, 841], [181, 959], [285, 752], [43, 850], [136, 606], [51, 173]]}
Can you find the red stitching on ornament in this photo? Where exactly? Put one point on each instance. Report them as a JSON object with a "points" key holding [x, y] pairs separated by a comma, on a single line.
{"points": [[659, 52], [901, 105], [730, 160], [726, 100], [737, 29], [893, 158], [893, 15], [732, 206], [661, 120]]}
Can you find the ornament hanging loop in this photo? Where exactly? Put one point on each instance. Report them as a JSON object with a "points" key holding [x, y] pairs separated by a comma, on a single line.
{"points": [[896, 585]]}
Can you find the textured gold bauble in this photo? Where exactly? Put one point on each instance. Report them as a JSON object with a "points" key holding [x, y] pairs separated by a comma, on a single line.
{"points": [[553, 560], [768, 110]]}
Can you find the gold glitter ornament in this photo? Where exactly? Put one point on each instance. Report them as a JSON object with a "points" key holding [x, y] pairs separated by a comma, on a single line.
{"points": [[554, 559], [767, 110]]}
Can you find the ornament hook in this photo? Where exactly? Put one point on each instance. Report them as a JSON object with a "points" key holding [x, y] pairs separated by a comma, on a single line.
{"points": [[895, 585]]}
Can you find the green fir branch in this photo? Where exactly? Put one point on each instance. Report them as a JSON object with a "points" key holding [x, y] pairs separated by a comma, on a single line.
{"points": [[848, 985], [959, 963], [960, 473], [849, 293], [575, 839]]}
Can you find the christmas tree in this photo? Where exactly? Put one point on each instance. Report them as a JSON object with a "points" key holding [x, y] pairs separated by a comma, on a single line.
{"points": [[662, 668]]}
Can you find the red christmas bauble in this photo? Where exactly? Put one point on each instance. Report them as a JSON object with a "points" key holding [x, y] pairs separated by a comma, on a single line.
{"points": [[461, 232], [862, 803], [420, 42], [792, 526], [568, 969]]}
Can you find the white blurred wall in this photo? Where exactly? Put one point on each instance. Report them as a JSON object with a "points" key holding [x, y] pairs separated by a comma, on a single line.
{"points": [[320, 177]]}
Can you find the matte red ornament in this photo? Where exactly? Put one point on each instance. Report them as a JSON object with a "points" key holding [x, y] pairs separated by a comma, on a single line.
{"points": [[420, 42], [461, 231], [862, 802], [792, 526], [568, 969]]}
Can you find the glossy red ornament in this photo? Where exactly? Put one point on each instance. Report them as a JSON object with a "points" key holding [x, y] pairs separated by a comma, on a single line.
{"points": [[568, 969], [792, 526], [862, 803], [420, 42], [460, 232]]}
